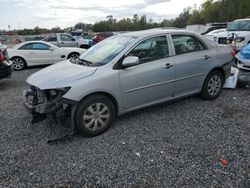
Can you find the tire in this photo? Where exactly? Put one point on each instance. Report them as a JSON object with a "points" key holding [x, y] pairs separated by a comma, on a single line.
{"points": [[212, 85], [18, 63], [84, 46], [89, 120], [73, 55]]}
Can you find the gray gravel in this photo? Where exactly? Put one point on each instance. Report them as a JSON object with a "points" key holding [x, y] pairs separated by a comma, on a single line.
{"points": [[178, 144]]}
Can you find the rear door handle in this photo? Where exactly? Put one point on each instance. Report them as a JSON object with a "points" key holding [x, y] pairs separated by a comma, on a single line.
{"points": [[168, 66], [206, 57]]}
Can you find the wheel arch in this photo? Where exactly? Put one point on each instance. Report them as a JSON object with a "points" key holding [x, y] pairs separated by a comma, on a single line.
{"points": [[72, 53], [220, 69], [84, 46], [108, 95], [18, 56]]}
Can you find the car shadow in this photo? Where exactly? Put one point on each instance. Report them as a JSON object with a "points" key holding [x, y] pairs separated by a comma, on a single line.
{"points": [[77, 137]]}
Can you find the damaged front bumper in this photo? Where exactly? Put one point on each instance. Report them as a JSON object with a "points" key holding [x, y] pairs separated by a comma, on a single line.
{"points": [[46, 103]]}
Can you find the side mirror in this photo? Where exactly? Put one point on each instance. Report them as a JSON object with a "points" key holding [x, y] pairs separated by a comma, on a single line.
{"points": [[51, 49], [73, 39], [130, 61]]}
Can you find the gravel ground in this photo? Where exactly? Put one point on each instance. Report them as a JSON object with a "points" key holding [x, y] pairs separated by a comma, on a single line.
{"points": [[177, 144]]}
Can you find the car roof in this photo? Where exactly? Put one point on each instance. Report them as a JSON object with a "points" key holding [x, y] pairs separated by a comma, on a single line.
{"points": [[35, 41], [245, 19], [157, 31]]}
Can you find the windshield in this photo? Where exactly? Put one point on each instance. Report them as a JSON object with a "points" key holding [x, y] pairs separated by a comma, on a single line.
{"points": [[202, 30], [106, 50], [239, 26]]}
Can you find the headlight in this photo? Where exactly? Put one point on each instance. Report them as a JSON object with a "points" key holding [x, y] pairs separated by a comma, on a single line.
{"points": [[215, 39], [58, 92], [240, 39], [53, 92]]}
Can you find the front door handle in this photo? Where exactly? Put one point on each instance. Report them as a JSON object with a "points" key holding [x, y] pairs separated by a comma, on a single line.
{"points": [[206, 57], [168, 66]]}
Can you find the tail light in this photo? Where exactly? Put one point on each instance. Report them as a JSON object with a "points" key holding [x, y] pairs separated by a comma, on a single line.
{"points": [[2, 58], [233, 53]]}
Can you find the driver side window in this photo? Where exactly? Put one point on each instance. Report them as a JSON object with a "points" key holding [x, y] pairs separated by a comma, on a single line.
{"points": [[151, 49]]}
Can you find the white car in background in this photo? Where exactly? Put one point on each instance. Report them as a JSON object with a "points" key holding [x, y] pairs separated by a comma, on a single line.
{"points": [[34, 53], [83, 43], [238, 31], [212, 35]]}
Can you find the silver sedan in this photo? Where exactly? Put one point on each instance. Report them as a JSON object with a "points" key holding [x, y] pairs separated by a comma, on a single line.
{"points": [[125, 73]]}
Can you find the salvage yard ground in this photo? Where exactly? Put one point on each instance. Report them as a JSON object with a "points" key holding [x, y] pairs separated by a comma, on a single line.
{"points": [[177, 144]]}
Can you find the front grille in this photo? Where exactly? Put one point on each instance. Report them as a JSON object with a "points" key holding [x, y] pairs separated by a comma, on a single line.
{"points": [[36, 95], [222, 40]]}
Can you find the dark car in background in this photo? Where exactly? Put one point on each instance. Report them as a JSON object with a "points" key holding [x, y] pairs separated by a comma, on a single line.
{"points": [[6, 66], [103, 35]]}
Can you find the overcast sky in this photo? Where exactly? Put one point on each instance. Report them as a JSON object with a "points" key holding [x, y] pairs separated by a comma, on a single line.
{"points": [[64, 13]]}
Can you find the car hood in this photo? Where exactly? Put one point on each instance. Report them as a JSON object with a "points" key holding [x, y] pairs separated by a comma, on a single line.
{"points": [[229, 33], [59, 75]]}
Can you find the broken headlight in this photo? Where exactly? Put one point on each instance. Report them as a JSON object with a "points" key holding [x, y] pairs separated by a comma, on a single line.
{"points": [[58, 92]]}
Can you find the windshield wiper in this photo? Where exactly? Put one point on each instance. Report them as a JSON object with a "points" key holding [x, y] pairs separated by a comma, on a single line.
{"points": [[85, 61], [81, 62]]}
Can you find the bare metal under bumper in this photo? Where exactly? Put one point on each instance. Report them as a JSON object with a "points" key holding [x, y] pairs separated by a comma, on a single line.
{"points": [[55, 110]]}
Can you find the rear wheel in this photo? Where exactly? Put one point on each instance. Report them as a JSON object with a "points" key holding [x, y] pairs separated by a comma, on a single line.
{"points": [[18, 63], [94, 115], [213, 85]]}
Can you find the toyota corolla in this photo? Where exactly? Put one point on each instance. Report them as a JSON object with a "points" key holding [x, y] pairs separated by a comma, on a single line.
{"points": [[125, 73]]}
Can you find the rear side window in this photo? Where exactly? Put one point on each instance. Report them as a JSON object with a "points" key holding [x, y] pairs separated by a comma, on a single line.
{"points": [[40, 46], [186, 44], [66, 38], [151, 49]]}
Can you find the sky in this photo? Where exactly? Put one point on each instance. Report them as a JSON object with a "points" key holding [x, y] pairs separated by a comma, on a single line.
{"points": [[20, 14]]}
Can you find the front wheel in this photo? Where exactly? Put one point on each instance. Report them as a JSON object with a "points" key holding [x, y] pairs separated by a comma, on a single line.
{"points": [[94, 115], [18, 63], [73, 55], [212, 85]]}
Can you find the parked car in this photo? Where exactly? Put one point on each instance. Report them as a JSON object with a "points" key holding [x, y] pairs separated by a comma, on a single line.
{"points": [[243, 64], [6, 66], [212, 35], [40, 53], [128, 72], [238, 31], [103, 35], [62, 40], [83, 43]]}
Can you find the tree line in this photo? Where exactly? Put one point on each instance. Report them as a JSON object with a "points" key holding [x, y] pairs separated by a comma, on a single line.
{"points": [[209, 12]]}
